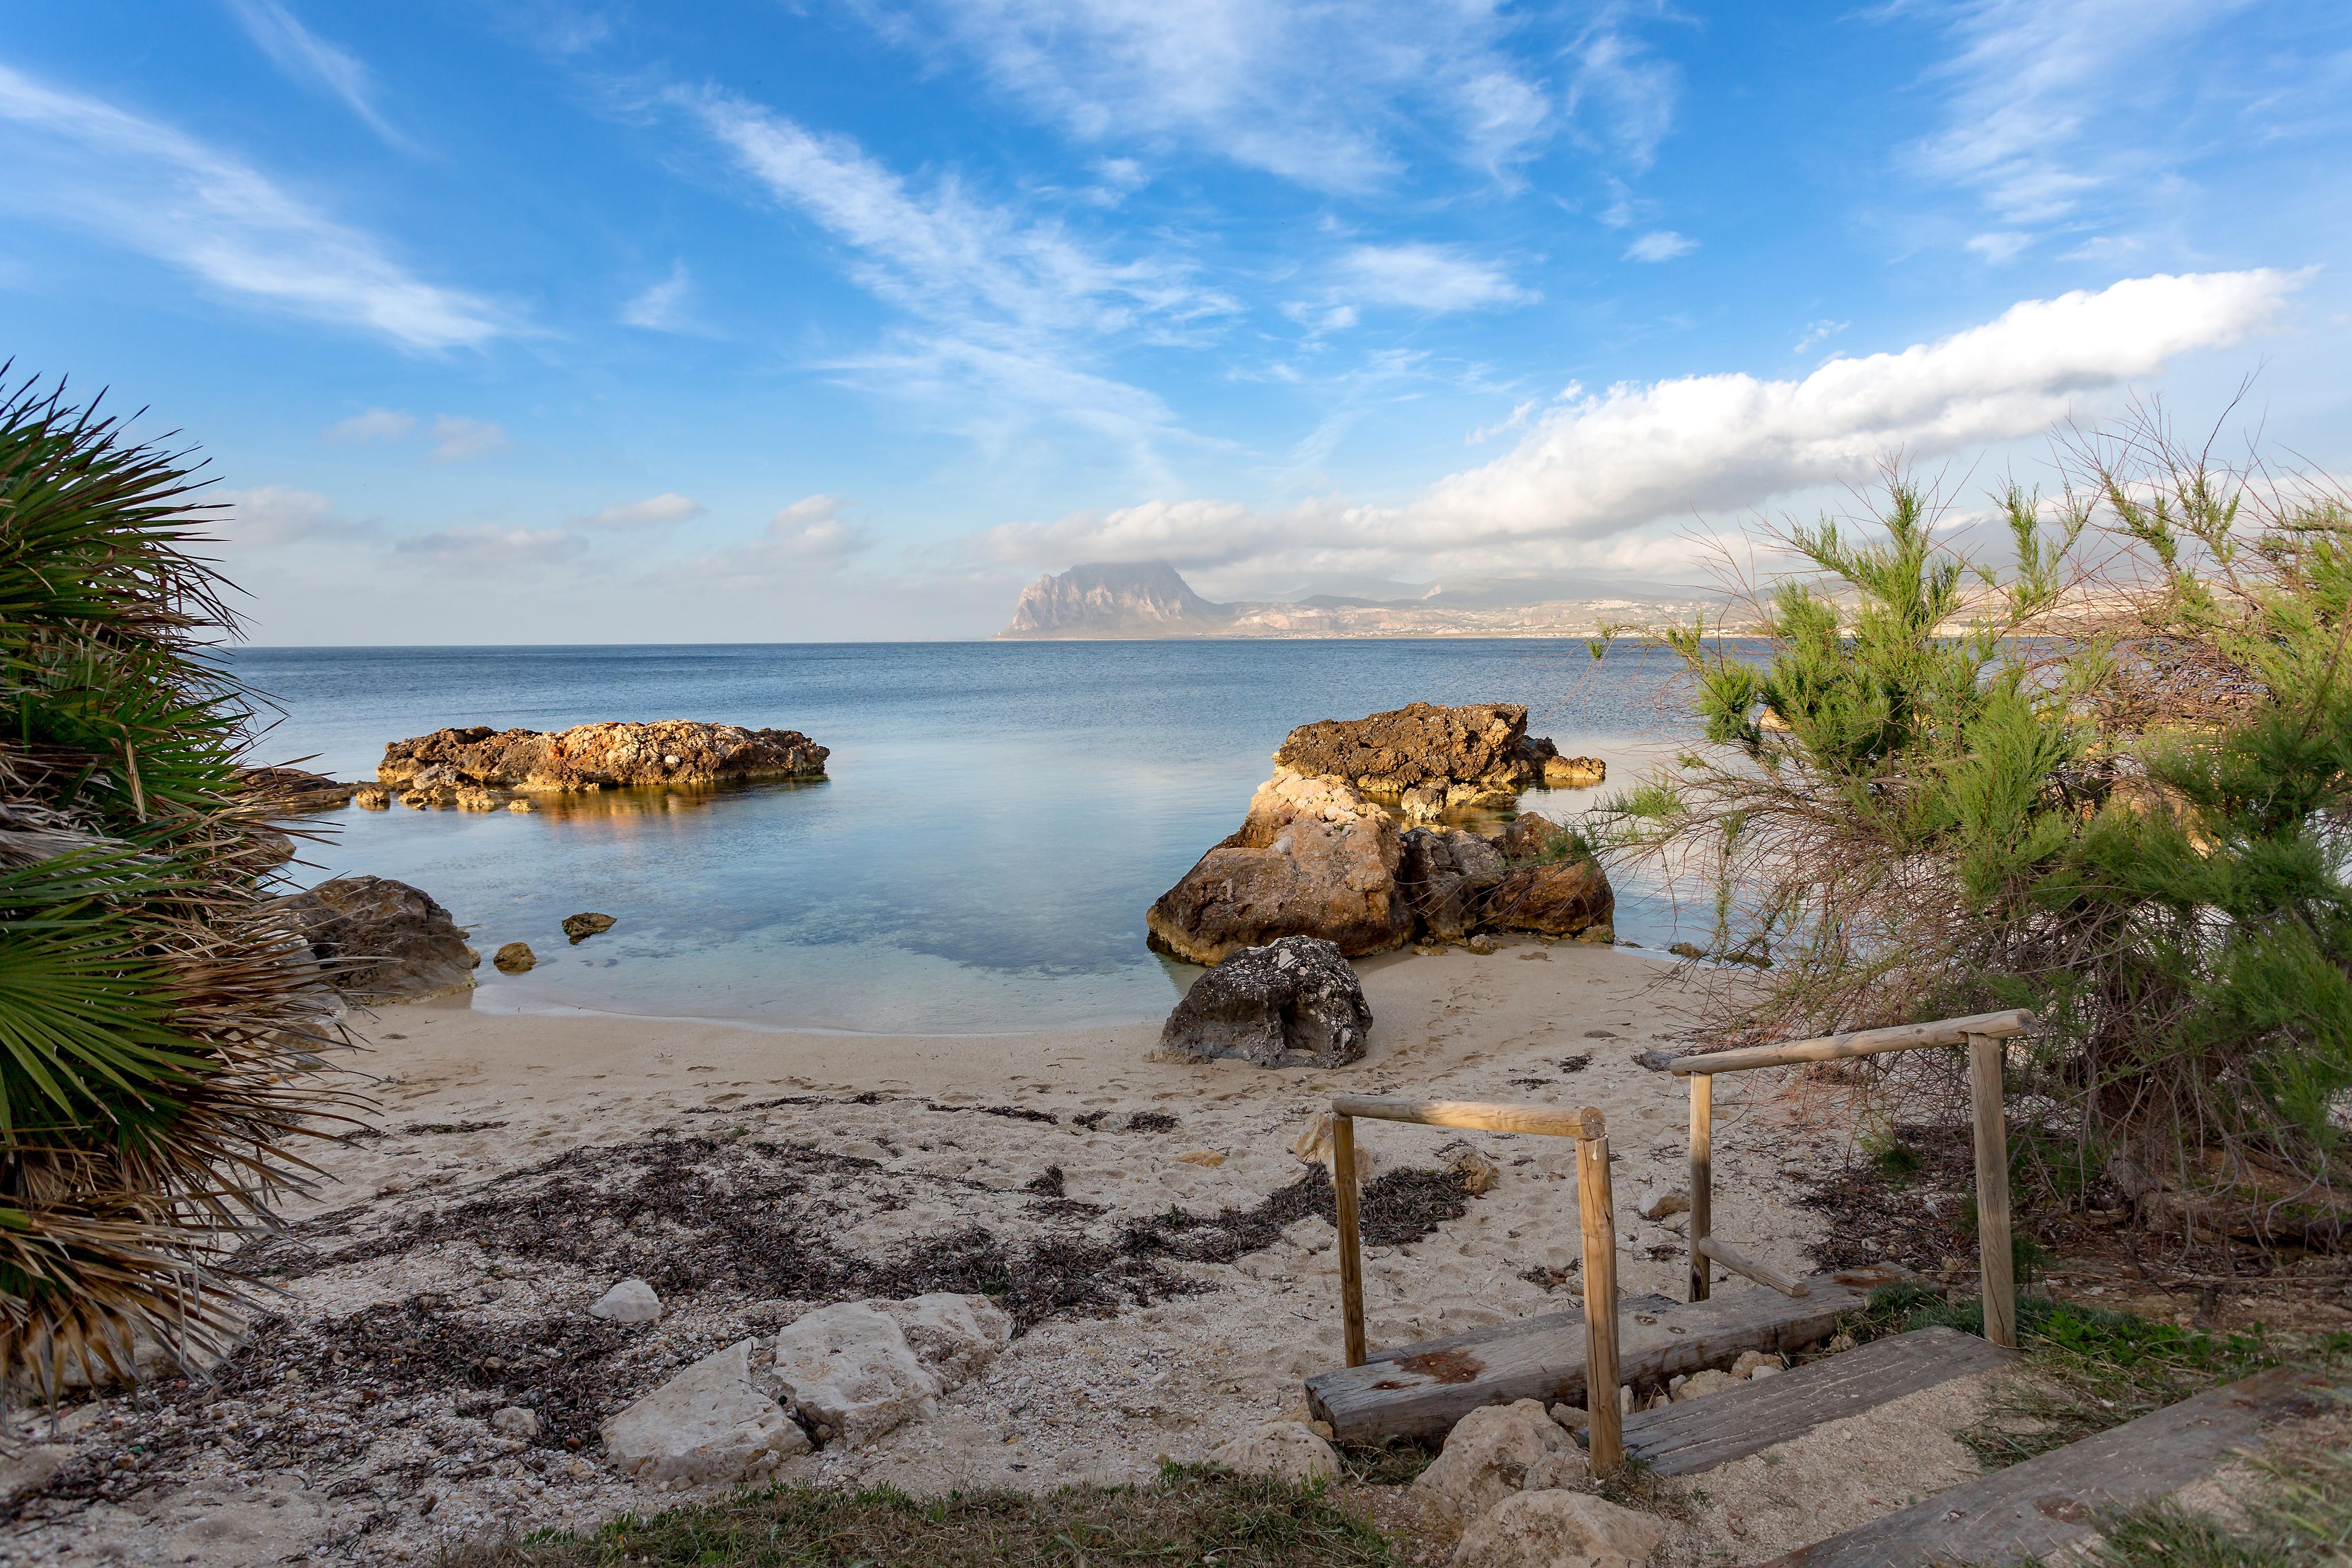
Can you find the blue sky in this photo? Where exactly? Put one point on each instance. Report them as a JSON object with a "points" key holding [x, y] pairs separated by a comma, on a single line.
{"points": [[528, 322]]}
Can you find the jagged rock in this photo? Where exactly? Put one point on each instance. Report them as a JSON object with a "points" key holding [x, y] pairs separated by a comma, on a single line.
{"points": [[1702, 1383], [1574, 772], [1292, 1003], [630, 1302], [1313, 858], [1486, 1458], [292, 791], [1675, 1200], [372, 798], [1558, 898], [1531, 836], [470, 799], [515, 1421], [1557, 1528], [580, 927], [710, 1423], [1474, 1171], [1447, 877], [1420, 744], [1145, 598], [520, 804], [515, 958], [864, 1367], [1423, 802], [1751, 1361], [1287, 1450], [954, 1335], [381, 941], [597, 755]]}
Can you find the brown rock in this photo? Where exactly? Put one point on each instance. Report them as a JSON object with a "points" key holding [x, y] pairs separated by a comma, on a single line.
{"points": [[1554, 1527], [1558, 898], [1313, 858], [372, 798], [1390, 753], [580, 927], [291, 791], [593, 756], [1574, 772], [1486, 1459], [1531, 836], [515, 958], [1292, 1003], [379, 940]]}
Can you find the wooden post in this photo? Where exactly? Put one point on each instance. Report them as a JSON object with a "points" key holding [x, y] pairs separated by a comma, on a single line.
{"points": [[1599, 1218], [1701, 1178], [1351, 1257], [1993, 1255]]}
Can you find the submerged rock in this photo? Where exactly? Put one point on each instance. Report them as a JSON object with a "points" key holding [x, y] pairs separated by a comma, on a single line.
{"points": [[595, 756], [1292, 1003], [1313, 858], [1419, 745], [580, 927], [292, 790], [515, 958], [382, 941]]}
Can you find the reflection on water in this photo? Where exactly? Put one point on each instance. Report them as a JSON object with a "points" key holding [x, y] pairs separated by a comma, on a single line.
{"points": [[997, 819]]}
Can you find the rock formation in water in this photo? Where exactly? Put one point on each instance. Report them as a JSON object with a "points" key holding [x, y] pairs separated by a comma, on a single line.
{"points": [[1292, 1003], [595, 757], [383, 941], [292, 791], [1148, 599]]}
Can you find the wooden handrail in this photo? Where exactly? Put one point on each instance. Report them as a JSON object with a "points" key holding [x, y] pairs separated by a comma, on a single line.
{"points": [[1478, 1115], [1861, 1042]]}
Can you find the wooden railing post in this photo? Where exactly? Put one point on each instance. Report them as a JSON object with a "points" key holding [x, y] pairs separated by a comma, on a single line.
{"points": [[1351, 1257], [1701, 1178], [1993, 1255], [1599, 1221]]}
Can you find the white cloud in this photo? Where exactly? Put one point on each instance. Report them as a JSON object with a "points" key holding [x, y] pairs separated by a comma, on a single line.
{"points": [[2001, 246], [654, 511], [275, 515], [493, 544], [375, 425], [663, 306], [1426, 277], [149, 188], [1617, 83], [1664, 245], [455, 438], [1314, 91], [812, 528], [1596, 469], [306, 58], [1817, 333]]}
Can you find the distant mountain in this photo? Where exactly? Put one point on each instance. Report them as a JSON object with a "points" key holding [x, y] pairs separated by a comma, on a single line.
{"points": [[1145, 599]]}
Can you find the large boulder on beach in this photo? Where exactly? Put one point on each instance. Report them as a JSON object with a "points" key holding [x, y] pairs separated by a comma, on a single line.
{"points": [[1489, 1456], [1313, 858], [857, 1369], [1566, 897], [1482, 745], [378, 940], [710, 1423], [1292, 1003], [602, 756], [1285, 1450], [1446, 878], [1558, 1526]]}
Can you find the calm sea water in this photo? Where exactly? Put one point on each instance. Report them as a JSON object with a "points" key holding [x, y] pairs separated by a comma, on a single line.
{"points": [[997, 819]]}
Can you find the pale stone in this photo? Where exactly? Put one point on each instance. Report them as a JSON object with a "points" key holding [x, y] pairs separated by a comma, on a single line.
{"points": [[1562, 1468], [1753, 1361], [706, 1424], [849, 1365], [1674, 1201], [1767, 1370], [630, 1302], [953, 1335], [1477, 1173], [1486, 1459], [1699, 1385], [515, 1421], [1287, 1450], [1212, 1158], [1555, 1528]]}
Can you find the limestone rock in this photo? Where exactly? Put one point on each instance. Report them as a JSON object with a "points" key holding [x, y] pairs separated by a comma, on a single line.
{"points": [[1751, 1361], [520, 803], [953, 1335], [1531, 836], [1672, 1201], [1556, 898], [1486, 1459], [1423, 802], [291, 791], [469, 798], [1313, 858], [381, 941], [1315, 1146], [1287, 1450], [855, 1367], [515, 958], [372, 798], [1574, 772], [1554, 1528], [515, 1421], [1207, 1159], [1474, 1171], [1293, 1002], [1565, 1467], [597, 755], [1421, 743], [1702, 1383], [580, 927], [710, 1423], [630, 1302]]}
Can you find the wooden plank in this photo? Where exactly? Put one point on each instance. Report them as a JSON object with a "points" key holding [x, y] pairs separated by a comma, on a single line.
{"points": [[1478, 1115], [1352, 1251], [1701, 1178], [1682, 1439], [1420, 1390], [1739, 1262], [1993, 1255], [1649, 1305], [2030, 1511], [1861, 1042], [1598, 1212]]}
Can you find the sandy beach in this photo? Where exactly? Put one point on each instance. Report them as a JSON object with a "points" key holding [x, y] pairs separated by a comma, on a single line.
{"points": [[881, 1154]]}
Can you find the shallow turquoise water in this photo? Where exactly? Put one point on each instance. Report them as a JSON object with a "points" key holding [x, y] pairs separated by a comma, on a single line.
{"points": [[997, 819]]}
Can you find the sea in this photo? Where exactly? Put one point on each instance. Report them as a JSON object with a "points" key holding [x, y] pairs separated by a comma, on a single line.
{"points": [[997, 818]]}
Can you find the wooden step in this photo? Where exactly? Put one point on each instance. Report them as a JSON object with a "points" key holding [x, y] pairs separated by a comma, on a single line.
{"points": [[2027, 1512], [1695, 1434], [1420, 1390]]}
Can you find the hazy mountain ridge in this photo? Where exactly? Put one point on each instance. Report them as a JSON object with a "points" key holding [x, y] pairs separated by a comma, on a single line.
{"points": [[1148, 600]]}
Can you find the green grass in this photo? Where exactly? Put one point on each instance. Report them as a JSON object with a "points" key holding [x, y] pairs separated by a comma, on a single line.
{"points": [[1191, 1514], [2300, 1513], [2101, 1368]]}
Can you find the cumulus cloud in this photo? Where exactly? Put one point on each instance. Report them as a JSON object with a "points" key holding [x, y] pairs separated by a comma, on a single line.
{"points": [[492, 544], [1664, 245], [1597, 467], [654, 511], [275, 515], [455, 438], [149, 188], [813, 529], [375, 425], [1426, 277]]}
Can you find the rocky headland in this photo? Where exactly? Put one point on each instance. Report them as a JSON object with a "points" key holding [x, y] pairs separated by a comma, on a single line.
{"points": [[611, 754]]}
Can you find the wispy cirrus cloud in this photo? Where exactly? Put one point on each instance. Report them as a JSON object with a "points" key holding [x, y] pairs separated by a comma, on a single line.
{"points": [[375, 425], [141, 184], [1420, 277], [492, 544], [1621, 95], [1593, 471], [1660, 244], [654, 511], [310, 59], [455, 439], [663, 306]]}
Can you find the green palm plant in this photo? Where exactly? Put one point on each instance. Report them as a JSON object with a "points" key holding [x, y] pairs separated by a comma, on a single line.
{"points": [[161, 1017]]}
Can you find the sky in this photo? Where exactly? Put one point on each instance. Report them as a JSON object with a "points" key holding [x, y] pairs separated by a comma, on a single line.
{"points": [[512, 322]]}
